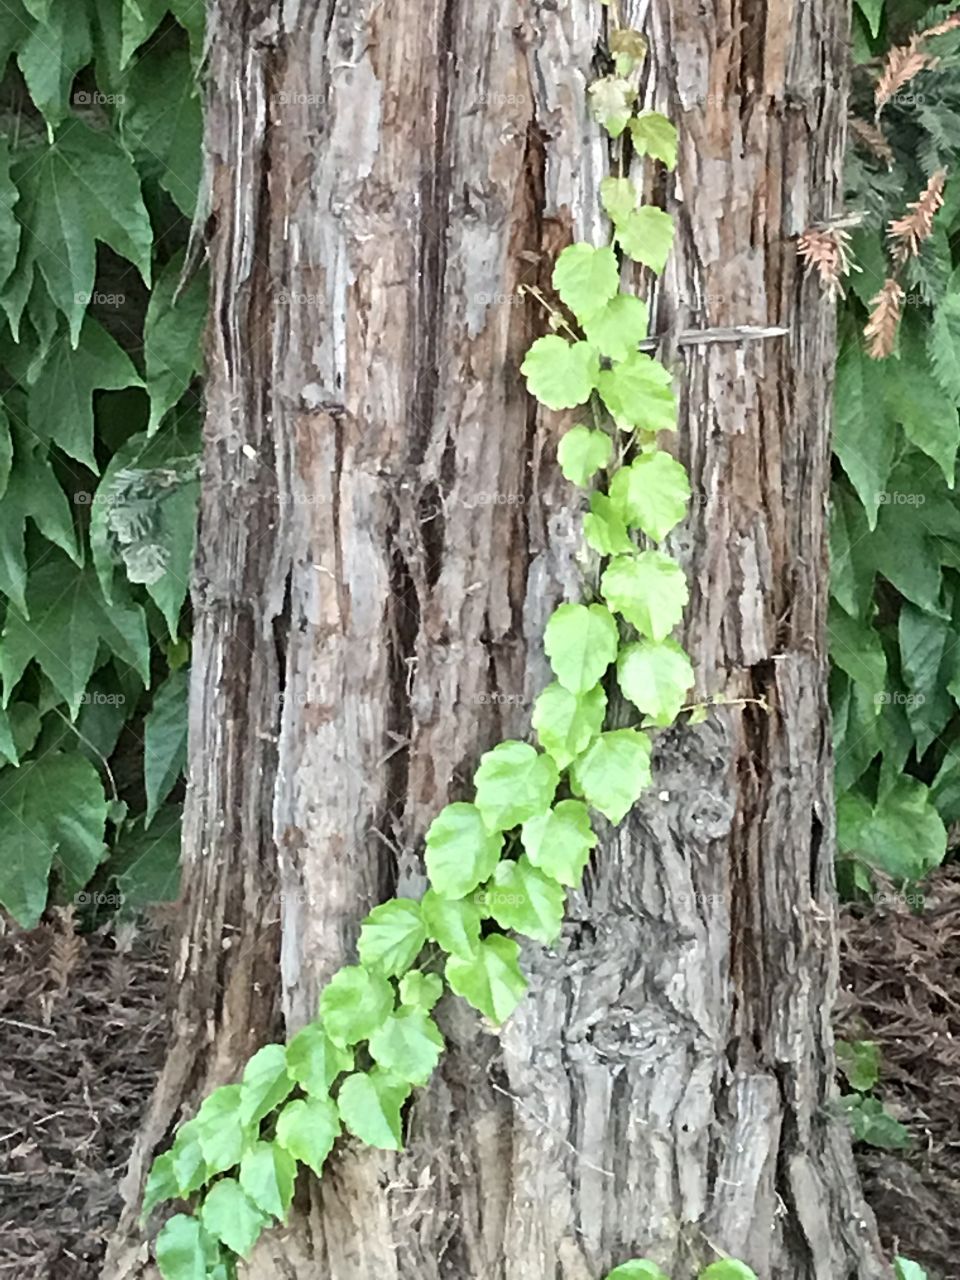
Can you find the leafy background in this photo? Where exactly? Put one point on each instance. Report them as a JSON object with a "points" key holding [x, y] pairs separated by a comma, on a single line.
{"points": [[895, 533], [100, 327]]}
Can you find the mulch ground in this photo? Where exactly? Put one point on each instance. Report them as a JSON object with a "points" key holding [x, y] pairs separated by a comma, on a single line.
{"points": [[82, 1032]]}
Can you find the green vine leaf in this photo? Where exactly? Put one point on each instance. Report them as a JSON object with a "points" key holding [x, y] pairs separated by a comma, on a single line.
{"points": [[943, 344], [618, 197], [611, 103], [727, 1269], [408, 1044], [637, 1269], [561, 374], [265, 1084], [67, 623], [521, 897], [81, 189], [60, 403], [618, 327], [161, 1184], [654, 135], [308, 1128], [369, 1105], [420, 990], [646, 236], [9, 225], [604, 529], [231, 1217], [461, 851], [453, 924], [354, 1003], [172, 335], [491, 981], [586, 278], [57, 45], [514, 782], [648, 589], [220, 1129], [35, 831], [189, 1166], [566, 723], [180, 1249], [581, 641], [639, 392], [655, 677], [165, 741], [268, 1174], [582, 453], [651, 494], [392, 937], [559, 841], [32, 492], [314, 1061], [613, 773]]}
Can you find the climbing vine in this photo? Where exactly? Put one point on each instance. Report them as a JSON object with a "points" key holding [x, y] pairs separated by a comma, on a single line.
{"points": [[500, 863]]}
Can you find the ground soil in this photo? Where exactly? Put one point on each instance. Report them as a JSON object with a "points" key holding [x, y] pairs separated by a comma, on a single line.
{"points": [[83, 1028]]}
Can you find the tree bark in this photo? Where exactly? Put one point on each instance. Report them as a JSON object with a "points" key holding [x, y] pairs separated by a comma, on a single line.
{"points": [[384, 533]]}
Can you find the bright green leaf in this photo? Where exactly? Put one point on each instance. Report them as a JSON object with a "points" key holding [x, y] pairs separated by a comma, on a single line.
{"points": [[618, 197], [265, 1084], [314, 1061], [580, 641], [179, 1249], [520, 897], [559, 841], [604, 529], [646, 235], [514, 782], [859, 1060], [308, 1128], [391, 937], [461, 851], [161, 1184], [453, 924], [566, 723], [651, 494], [561, 374], [612, 774], [354, 1003], [637, 1269], [491, 981], [189, 1166], [649, 589], [268, 1173], [586, 278], [369, 1104], [582, 453], [639, 393], [231, 1217], [618, 327], [727, 1269], [408, 1044], [655, 677], [220, 1128], [420, 990], [654, 135]]}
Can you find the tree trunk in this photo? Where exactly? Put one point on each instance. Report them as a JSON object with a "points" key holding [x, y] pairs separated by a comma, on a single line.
{"points": [[383, 536]]}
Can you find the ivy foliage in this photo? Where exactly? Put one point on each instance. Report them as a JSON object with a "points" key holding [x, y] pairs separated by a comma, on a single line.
{"points": [[500, 862], [894, 622], [99, 431]]}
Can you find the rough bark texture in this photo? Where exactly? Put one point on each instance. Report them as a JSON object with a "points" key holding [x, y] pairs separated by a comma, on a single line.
{"points": [[383, 535]]}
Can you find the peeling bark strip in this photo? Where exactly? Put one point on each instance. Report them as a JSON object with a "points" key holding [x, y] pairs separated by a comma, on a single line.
{"points": [[383, 537]]}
